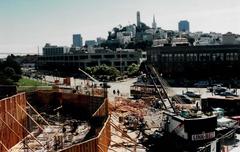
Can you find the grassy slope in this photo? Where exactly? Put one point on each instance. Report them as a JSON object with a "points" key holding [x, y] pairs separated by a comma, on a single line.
{"points": [[29, 82], [25, 84]]}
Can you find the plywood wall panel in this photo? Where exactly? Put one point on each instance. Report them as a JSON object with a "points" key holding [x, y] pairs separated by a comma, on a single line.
{"points": [[8, 137]]}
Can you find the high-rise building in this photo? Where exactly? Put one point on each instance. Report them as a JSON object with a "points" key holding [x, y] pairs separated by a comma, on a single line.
{"points": [[138, 19], [183, 26], [77, 40], [154, 24]]}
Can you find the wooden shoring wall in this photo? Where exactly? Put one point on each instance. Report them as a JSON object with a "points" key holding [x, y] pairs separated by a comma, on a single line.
{"points": [[8, 136], [97, 106], [102, 110], [71, 101], [102, 141]]}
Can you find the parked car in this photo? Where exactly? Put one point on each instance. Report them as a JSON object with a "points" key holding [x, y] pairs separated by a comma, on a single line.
{"points": [[192, 94], [201, 84], [214, 86], [228, 94], [218, 90], [182, 99]]}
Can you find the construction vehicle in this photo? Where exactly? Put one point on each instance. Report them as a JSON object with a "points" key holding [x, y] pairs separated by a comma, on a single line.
{"points": [[190, 129]]}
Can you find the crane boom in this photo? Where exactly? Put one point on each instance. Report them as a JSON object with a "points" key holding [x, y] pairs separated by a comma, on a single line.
{"points": [[167, 103], [93, 79]]}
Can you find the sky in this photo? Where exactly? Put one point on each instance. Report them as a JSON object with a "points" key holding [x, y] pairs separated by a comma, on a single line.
{"points": [[26, 25]]}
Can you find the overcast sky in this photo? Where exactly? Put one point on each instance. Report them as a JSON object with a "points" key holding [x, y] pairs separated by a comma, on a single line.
{"points": [[27, 24]]}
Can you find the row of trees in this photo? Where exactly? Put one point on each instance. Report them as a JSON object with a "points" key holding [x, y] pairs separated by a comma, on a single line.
{"points": [[111, 73], [10, 71]]}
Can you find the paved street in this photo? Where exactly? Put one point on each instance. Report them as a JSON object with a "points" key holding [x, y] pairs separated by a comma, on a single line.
{"points": [[123, 87]]}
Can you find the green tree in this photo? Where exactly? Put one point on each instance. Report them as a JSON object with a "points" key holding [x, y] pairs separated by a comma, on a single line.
{"points": [[10, 62], [9, 72], [133, 69], [103, 70], [114, 72], [89, 70]]}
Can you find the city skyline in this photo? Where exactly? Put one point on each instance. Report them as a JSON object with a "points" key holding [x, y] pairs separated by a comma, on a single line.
{"points": [[28, 24]]}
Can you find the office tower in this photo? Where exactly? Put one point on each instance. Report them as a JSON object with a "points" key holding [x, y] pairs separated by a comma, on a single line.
{"points": [[183, 26], [77, 40]]}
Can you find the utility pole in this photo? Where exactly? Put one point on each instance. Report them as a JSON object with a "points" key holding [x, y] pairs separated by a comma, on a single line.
{"points": [[121, 71]]}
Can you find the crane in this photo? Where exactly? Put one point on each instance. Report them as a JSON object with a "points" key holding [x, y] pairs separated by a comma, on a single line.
{"points": [[152, 73], [92, 78]]}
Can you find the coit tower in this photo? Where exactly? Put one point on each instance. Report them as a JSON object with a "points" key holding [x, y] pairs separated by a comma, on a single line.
{"points": [[138, 19]]}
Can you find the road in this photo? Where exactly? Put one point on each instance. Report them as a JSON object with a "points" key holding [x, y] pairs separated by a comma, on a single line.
{"points": [[122, 86]]}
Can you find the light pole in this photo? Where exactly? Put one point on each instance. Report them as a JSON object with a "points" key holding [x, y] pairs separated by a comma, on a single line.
{"points": [[121, 62]]}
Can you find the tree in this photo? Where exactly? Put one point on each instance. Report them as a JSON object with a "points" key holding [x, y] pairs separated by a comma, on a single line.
{"points": [[10, 71], [133, 69], [114, 72], [10, 62], [103, 71], [89, 70]]}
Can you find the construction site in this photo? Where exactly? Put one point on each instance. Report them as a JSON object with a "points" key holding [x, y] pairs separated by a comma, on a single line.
{"points": [[86, 119], [54, 121]]}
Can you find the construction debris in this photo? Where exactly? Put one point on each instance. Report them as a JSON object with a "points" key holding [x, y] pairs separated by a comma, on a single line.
{"points": [[61, 133], [135, 119]]}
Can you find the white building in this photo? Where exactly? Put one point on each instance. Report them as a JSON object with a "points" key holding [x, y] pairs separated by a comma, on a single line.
{"points": [[179, 41], [208, 39], [159, 42]]}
